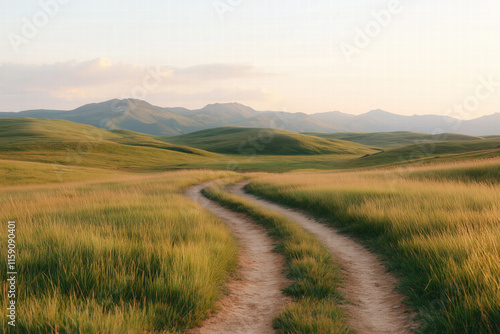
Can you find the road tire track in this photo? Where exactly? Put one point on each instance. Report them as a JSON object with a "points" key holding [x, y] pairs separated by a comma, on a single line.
{"points": [[374, 306], [255, 298]]}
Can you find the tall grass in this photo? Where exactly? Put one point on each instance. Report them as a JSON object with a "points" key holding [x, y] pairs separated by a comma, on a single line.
{"points": [[131, 256], [314, 273], [441, 235]]}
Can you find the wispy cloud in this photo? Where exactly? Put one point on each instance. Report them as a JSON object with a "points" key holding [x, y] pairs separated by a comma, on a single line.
{"points": [[67, 84]]}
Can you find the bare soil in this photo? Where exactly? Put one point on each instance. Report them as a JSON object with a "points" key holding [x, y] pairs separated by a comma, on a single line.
{"points": [[254, 297], [374, 306]]}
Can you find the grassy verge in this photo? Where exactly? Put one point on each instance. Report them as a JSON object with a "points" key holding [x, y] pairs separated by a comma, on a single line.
{"points": [[309, 264], [127, 256], [441, 235], [22, 173]]}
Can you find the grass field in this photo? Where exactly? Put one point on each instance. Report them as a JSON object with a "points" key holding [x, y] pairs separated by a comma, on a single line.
{"points": [[20, 172], [484, 171], [128, 256], [439, 234], [66, 143], [310, 266], [108, 244], [433, 152], [63, 143], [251, 141], [389, 140]]}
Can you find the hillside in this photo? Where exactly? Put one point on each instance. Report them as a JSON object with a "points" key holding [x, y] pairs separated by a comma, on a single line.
{"points": [[383, 121], [236, 140], [67, 143], [396, 139], [130, 114], [141, 116], [450, 151]]}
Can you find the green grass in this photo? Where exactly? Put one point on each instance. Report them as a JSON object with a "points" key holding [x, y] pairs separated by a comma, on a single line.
{"points": [[483, 171], [67, 143], [440, 235], [314, 273], [388, 140], [426, 153], [251, 141], [126, 256], [19, 172]]}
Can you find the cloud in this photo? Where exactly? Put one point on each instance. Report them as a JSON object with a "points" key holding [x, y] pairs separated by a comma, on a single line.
{"points": [[219, 71], [68, 84]]}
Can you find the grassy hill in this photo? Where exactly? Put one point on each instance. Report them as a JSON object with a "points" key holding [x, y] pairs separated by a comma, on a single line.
{"points": [[24, 172], [67, 143], [236, 140], [63, 143], [388, 140], [130, 114], [435, 152]]}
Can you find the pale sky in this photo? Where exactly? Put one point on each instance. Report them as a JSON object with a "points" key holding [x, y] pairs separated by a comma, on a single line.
{"points": [[417, 57]]}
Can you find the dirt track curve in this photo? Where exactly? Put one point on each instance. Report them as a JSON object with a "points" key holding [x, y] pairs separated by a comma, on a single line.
{"points": [[374, 305], [255, 298]]}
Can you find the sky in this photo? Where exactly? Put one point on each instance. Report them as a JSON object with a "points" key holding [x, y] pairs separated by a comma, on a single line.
{"points": [[403, 56]]}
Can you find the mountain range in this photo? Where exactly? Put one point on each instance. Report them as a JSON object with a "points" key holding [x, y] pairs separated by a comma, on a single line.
{"points": [[141, 116]]}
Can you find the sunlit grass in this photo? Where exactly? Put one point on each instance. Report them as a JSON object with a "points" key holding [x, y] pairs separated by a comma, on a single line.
{"points": [[443, 236], [310, 266], [128, 256]]}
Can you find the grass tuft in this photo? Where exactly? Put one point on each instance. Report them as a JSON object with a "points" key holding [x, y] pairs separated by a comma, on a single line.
{"points": [[315, 275], [441, 235]]}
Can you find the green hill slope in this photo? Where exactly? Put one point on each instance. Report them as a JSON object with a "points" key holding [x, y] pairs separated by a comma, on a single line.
{"points": [[64, 142], [236, 140], [388, 140], [434, 152]]}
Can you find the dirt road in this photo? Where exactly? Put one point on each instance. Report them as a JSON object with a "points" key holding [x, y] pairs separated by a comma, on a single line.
{"points": [[255, 297], [374, 306]]}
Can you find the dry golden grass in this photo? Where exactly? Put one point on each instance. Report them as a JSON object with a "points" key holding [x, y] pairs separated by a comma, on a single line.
{"points": [[129, 255], [442, 235]]}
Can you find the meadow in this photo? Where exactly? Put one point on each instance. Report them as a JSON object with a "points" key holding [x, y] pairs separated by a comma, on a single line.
{"points": [[108, 243], [438, 227], [127, 255], [314, 273]]}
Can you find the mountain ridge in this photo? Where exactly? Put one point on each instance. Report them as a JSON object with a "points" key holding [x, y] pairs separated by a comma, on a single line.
{"points": [[141, 116]]}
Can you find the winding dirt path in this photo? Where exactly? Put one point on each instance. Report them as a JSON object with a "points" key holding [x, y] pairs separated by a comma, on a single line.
{"points": [[254, 298], [374, 305]]}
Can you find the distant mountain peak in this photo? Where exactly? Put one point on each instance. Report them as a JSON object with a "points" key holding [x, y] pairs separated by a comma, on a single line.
{"points": [[376, 112], [141, 116]]}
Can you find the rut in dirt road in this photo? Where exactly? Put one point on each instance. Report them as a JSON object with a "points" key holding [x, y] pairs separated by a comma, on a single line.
{"points": [[255, 298], [374, 306]]}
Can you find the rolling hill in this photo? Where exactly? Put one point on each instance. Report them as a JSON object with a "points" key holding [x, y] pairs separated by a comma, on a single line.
{"points": [[389, 140], [140, 116], [383, 121], [450, 151], [68, 143], [129, 114], [249, 141]]}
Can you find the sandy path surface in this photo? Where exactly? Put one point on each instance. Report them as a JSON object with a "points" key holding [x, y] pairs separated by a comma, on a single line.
{"points": [[255, 297], [374, 306]]}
